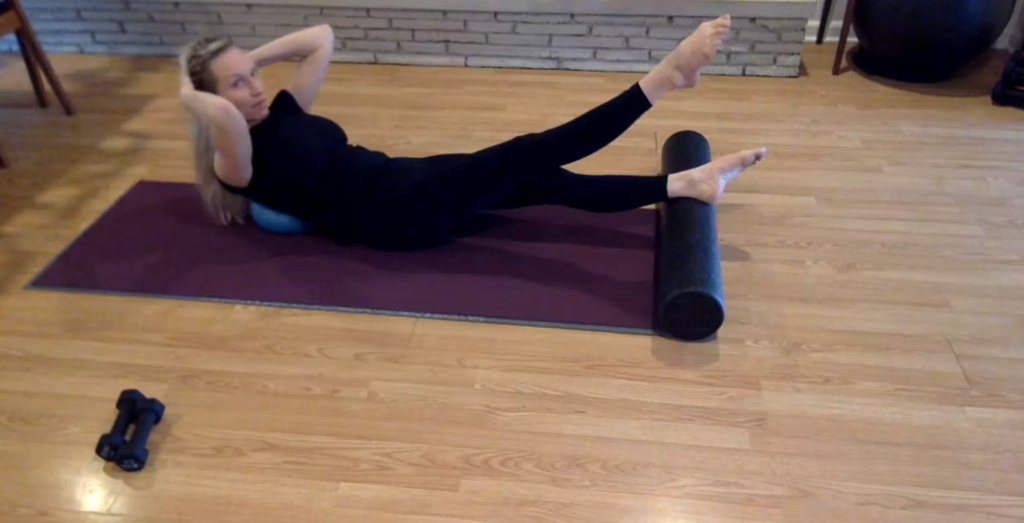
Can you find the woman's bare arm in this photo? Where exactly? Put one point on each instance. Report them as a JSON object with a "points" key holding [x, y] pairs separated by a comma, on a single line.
{"points": [[228, 131], [313, 48]]}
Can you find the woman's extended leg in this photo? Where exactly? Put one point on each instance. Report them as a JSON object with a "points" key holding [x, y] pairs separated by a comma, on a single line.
{"points": [[597, 128], [593, 193], [704, 180]]}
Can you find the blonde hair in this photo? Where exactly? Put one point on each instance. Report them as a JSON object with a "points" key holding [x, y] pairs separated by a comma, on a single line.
{"points": [[223, 206]]}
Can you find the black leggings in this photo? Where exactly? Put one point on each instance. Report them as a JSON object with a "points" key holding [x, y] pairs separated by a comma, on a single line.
{"points": [[432, 206]]}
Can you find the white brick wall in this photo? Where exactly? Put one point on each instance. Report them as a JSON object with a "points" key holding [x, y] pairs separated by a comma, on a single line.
{"points": [[756, 47]]}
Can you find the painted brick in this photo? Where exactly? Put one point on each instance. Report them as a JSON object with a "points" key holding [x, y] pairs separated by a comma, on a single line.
{"points": [[120, 16], [370, 45], [489, 27], [743, 23], [250, 18], [345, 11], [755, 35], [56, 14], [186, 17], [618, 30], [62, 48], [423, 47], [552, 29], [751, 59], [76, 4], [66, 38], [688, 22], [449, 36], [517, 63], [468, 15], [407, 13], [421, 59], [196, 7], [76, 27], [353, 57], [736, 47], [718, 59], [522, 51], [673, 33], [608, 42], [624, 55], [794, 36], [388, 34], [723, 70], [788, 60], [340, 34], [435, 25], [250, 42], [345, 22], [178, 40], [650, 43], [279, 30], [621, 20], [133, 50], [594, 65], [220, 29], [779, 48], [154, 6], [503, 39], [783, 23], [284, 10], [154, 28], [122, 38], [534, 18], [772, 70]]}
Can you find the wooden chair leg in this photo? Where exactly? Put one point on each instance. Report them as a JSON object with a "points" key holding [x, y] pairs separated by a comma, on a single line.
{"points": [[843, 36], [826, 20], [33, 71], [32, 43], [2, 164]]}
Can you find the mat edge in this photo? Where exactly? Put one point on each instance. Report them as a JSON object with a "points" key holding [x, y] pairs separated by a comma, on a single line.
{"points": [[357, 310]]}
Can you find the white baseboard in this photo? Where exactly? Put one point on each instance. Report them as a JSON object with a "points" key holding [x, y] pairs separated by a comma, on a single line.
{"points": [[832, 35]]}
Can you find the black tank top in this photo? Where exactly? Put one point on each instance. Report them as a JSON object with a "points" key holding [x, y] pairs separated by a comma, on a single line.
{"points": [[304, 166]]}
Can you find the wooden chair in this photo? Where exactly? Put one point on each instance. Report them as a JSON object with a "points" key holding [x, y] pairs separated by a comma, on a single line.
{"points": [[13, 20], [844, 35]]}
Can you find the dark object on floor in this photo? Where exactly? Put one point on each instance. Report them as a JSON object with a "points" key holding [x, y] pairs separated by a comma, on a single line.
{"points": [[925, 41], [133, 455], [547, 266], [1010, 88], [690, 304], [112, 441]]}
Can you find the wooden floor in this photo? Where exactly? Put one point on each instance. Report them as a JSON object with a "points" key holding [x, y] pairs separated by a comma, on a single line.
{"points": [[871, 369]]}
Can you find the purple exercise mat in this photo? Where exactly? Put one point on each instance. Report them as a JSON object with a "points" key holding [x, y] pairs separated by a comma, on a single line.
{"points": [[539, 266]]}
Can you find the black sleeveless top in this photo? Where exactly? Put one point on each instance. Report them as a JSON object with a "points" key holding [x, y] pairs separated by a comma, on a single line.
{"points": [[304, 166]]}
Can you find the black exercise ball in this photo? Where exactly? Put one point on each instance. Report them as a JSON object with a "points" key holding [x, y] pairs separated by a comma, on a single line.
{"points": [[925, 40]]}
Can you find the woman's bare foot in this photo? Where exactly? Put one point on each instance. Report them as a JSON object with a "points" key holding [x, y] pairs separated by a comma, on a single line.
{"points": [[707, 182], [681, 68]]}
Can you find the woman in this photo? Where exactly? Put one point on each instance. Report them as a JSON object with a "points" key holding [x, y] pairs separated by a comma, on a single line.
{"points": [[279, 155]]}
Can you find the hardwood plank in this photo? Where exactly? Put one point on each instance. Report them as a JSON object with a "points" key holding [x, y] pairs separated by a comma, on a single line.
{"points": [[869, 369]]}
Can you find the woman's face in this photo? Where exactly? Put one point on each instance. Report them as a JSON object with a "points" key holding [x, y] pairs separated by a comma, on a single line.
{"points": [[238, 81]]}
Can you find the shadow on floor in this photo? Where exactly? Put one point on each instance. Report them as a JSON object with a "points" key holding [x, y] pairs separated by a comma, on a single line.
{"points": [[46, 150], [974, 80]]}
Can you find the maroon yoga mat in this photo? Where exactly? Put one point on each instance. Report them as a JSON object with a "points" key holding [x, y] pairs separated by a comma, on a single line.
{"points": [[540, 266]]}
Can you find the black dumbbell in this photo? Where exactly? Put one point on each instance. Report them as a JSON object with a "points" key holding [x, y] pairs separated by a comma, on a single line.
{"points": [[111, 442], [133, 455]]}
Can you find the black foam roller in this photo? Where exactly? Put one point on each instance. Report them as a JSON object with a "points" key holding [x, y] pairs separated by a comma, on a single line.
{"points": [[690, 303]]}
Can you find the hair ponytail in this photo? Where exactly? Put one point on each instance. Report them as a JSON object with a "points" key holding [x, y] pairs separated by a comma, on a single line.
{"points": [[223, 206]]}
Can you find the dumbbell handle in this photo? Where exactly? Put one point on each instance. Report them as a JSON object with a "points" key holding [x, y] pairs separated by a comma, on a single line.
{"points": [[124, 417], [143, 426]]}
